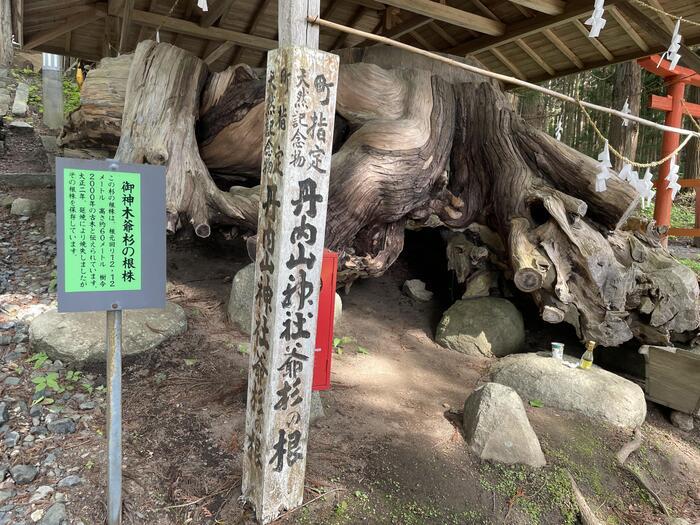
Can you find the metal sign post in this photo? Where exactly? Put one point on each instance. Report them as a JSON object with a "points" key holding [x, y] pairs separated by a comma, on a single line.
{"points": [[114, 416], [110, 235]]}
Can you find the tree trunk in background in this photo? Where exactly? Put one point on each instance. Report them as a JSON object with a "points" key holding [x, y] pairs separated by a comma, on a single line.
{"points": [[531, 107], [6, 51], [429, 145], [692, 158], [628, 85], [97, 123]]}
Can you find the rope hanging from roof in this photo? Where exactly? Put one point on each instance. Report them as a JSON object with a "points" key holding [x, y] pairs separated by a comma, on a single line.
{"points": [[662, 12]]}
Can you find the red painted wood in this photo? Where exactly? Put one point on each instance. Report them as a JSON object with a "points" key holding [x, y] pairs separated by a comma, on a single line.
{"points": [[662, 206], [324, 327], [687, 75], [666, 104], [684, 232], [689, 183]]}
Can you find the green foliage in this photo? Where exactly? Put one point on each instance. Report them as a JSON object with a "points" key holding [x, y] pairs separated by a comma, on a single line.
{"points": [[341, 509], [692, 264], [71, 95], [50, 380], [38, 359], [34, 99], [362, 350], [340, 342], [536, 403], [190, 362], [73, 376]]}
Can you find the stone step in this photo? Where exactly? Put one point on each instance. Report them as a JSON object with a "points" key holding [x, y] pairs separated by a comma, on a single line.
{"points": [[19, 107], [20, 126]]}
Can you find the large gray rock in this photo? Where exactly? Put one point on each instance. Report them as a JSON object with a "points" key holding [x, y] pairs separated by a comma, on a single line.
{"points": [[25, 207], [19, 107], [594, 393], [485, 326], [80, 337], [55, 515], [497, 428], [240, 303]]}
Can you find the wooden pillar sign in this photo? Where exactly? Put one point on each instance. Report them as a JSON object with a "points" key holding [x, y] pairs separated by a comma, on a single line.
{"points": [[299, 117]]}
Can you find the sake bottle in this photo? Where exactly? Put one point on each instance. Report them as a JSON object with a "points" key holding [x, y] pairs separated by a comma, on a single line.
{"points": [[587, 357]]}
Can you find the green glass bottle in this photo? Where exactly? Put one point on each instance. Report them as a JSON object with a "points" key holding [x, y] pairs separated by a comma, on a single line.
{"points": [[587, 357]]}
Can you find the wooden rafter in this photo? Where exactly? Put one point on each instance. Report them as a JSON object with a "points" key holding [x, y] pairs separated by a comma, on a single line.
{"points": [[442, 33], [666, 21], [534, 56], [403, 28], [561, 46], [627, 27], [185, 27], [64, 27], [253, 27], [524, 28], [126, 23], [216, 12], [356, 17], [508, 63], [550, 7], [692, 41], [659, 34], [451, 15], [595, 42]]}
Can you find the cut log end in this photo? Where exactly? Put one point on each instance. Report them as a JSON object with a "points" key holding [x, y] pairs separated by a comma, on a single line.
{"points": [[552, 314], [528, 280], [202, 230]]}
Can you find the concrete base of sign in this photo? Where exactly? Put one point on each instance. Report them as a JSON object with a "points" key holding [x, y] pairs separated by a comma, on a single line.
{"points": [[79, 338]]}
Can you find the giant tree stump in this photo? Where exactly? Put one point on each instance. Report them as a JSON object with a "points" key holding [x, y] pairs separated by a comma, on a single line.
{"points": [[419, 142]]}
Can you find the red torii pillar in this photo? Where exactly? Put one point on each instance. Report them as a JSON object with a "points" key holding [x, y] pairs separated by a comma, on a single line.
{"points": [[672, 104]]}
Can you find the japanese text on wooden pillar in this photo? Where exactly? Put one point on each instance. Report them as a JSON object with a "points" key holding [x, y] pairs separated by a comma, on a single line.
{"points": [[299, 117]]}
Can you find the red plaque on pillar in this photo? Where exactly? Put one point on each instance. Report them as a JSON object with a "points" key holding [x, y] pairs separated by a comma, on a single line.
{"points": [[324, 328]]}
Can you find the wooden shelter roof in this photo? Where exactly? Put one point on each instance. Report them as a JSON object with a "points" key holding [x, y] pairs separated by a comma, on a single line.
{"points": [[530, 39]]}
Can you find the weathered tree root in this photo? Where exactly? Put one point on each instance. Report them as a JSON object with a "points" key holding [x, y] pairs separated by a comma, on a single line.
{"points": [[420, 143], [585, 512], [624, 453]]}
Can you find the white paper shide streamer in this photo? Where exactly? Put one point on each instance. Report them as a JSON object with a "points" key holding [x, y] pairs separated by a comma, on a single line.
{"points": [[672, 178], [626, 109], [645, 187], [559, 129], [596, 21], [202, 4], [604, 166], [671, 54]]}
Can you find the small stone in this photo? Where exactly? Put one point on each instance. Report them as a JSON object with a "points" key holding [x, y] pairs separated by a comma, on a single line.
{"points": [[70, 481], [6, 494], [240, 303], [28, 439], [4, 413], [11, 439], [50, 459], [36, 411], [42, 492], [37, 515], [56, 515], [24, 207], [5, 339], [50, 225], [61, 426], [60, 496], [20, 125], [23, 474], [316, 410], [12, 381], [87, 405], [682, 421], [415, 289]]}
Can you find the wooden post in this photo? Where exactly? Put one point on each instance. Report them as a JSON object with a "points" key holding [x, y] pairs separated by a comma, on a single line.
{"points": [[297, 142]]}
